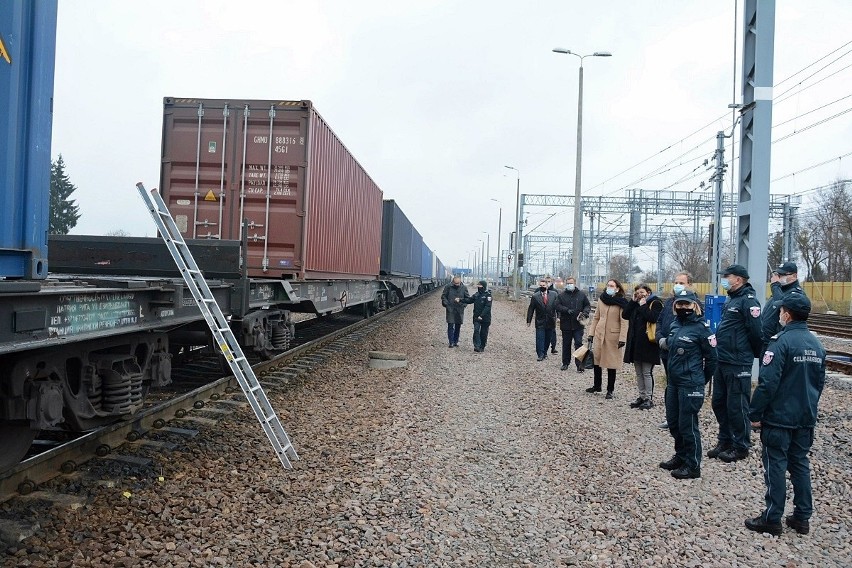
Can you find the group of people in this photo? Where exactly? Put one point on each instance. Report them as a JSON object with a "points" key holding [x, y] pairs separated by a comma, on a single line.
{"points": [[645, 330]]}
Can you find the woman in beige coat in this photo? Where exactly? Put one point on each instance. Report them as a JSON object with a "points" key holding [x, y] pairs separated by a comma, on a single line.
{"points": [[608, 332]]}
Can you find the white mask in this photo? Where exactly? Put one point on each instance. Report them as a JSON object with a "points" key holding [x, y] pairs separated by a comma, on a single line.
{"points": [[781, 320], [678, 288], [782, 280], [570, 287], [610, 291]]}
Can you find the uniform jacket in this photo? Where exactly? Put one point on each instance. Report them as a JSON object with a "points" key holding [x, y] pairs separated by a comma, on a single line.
{"points": [[608, 329], [544, 315], [664, 324], [792, 376], [481, 305], [569, 305], [769, 318], [455, 310], [739, 336], [638, 347], [691, 350]]}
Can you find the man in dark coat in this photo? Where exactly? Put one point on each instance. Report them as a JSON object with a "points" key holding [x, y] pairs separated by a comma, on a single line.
{"points": [[551, 286], [541, 305], [784, 407], [738, 342], [454, 299], [481, 315], [784, 280], [572, 307]]}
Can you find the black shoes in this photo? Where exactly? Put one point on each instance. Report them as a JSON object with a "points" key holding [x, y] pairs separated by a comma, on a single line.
{"points": [[732, 455], [477, 350], [540, 359], [801, 527], [593, 389], [581, 370], [636, 403], [553, 351], [672, 464], [684, 472], [718, 449], [563, 368], [609, 395], [647, 404], [757, 524], [663, 425]]}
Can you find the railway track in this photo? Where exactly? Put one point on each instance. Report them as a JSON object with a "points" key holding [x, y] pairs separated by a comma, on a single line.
{"points": [[834, 325], [65, 456]]}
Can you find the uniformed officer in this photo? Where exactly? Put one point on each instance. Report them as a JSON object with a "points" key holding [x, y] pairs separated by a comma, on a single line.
{"points": [[481, 301], [691, 350], [738, 343], [784, 407], [784, 280]]}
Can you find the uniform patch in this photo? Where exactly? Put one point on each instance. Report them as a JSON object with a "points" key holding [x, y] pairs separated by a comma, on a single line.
{"points": [[489, 298], [754, 311], [712, 340], [767, 357]]}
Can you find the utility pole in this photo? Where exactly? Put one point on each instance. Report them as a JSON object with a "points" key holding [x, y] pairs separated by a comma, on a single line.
{"points": [[718, 178]]}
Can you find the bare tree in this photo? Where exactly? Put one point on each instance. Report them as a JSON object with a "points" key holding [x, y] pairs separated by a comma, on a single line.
{"points": [[619, 267], [690, 255], [825, 237]]}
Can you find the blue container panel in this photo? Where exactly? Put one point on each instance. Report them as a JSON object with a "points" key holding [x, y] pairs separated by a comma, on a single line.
{"points": [[713, 306], [416, 253], [426, 263], [27, 57], [398, 242]]}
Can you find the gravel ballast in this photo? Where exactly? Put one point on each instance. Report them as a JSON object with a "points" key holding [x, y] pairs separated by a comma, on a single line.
{"points": [[458, 459]]}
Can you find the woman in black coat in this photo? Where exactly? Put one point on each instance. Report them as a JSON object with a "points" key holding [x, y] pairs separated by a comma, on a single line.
{"points": [[642, 310]]}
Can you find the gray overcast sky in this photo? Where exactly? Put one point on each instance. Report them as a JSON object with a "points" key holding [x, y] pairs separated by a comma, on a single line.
{"points": [[434, 97]]}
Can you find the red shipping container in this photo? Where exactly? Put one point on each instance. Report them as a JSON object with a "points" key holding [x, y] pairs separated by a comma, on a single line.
{"points": [[312, 212]]}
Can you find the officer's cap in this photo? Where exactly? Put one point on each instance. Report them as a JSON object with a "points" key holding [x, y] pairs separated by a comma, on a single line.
{"points": [[686, 296], [787, 268], [798, 303], [736, 270], [483, 283]]}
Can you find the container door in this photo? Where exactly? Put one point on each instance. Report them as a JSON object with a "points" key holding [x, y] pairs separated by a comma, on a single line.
{"points": [[270, 187], [196, 169]]}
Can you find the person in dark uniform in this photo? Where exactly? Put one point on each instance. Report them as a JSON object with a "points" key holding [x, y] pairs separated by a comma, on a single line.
{"points": [[541, 305], [739, 341], [784, 280], [481, 315], [551, 287], [572, 307], [784, 407], [682, 280], [692, 361], [454, 299]]}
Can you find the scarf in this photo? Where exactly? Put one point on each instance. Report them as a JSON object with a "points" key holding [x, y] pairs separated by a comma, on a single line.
{"points": [[613, 300]]}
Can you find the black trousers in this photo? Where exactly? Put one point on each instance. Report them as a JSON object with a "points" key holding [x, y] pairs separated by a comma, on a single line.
{"points": [[480, 334], [567, 336]]}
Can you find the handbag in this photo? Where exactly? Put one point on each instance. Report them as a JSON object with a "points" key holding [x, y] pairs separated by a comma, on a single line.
{"points": [[651, 331], [585, 356]]}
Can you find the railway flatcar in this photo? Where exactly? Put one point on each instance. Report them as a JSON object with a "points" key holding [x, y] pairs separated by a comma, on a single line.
{"points": [[280, 216]]}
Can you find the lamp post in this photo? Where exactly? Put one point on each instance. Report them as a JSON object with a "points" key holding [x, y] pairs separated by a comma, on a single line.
{"points": [[517, 226], [499, 272], [487, 255], [576, 241]]}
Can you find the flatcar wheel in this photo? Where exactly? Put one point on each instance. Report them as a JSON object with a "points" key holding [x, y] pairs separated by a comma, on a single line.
{"points": [[15, 441]]}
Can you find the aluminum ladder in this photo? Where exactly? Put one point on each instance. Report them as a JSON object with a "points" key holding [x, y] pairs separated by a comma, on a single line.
{"points": [[222, 333]]}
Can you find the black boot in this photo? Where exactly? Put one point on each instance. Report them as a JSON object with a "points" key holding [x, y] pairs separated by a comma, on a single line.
{"points": [[718, 449], [610, 381], [580, 367], [598, 376], [684, 472], [674, 463]]}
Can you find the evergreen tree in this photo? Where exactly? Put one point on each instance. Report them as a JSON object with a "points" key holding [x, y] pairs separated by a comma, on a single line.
{"points": [[63, 211]]}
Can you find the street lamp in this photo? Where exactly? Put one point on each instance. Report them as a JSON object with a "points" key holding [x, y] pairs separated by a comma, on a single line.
{"points": [[499, 271], [487, 255], [517, 226], [576, 257]]}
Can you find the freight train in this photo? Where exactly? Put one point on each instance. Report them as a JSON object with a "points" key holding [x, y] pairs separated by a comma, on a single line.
{"points": [[277, 212]]}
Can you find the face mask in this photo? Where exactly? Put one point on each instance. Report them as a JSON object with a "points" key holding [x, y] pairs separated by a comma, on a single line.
{"points": [[570, 287], [684, 312], [782, 321], [782, 280], [678, 288], [610, 291], [542, 288], [726, 284]]}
